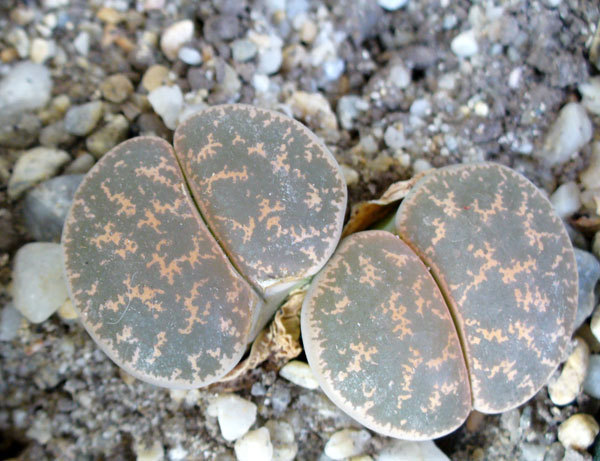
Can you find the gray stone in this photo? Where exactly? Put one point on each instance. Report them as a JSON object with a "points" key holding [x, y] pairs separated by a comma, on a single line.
{"points": [[81, 165], [222, 27], [81, 120], [588, 269], [107, 137], [243, 50], [46, 206], [26, 87], [34, 166], [18, 130], [10, 322], [39, 286], [591, 385], [55, 135]]}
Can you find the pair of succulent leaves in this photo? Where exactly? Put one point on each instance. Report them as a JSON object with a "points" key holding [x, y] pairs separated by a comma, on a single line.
{"points": [[176, 259]]}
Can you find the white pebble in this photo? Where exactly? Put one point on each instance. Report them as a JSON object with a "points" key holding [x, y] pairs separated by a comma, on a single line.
{"points": [[570, 382], [590, 177], [299, 373], [464, 45], [394, 137], [261, 83], [269, 60], [167, 101], [41, 50], [254, 446], [235, 415], [346, 443], [350, 175], [565, 199], [514, 78], [333, 69], [421, 165], [391, 5], [568, 134], [190, 56], [174, 36], [420, 107], [578, 432], [400, 75], [26, 87], [154, 452], [39, 287], [590, 91], [285, 447], [402, 450], [82, 43]]}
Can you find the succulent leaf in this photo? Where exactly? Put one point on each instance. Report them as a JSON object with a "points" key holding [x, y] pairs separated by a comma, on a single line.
{"points": [[506, 265], [381, 341]]}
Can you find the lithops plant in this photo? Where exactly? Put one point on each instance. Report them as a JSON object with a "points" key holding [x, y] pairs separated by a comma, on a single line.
{"points": [[175, 258], [471, 307]]}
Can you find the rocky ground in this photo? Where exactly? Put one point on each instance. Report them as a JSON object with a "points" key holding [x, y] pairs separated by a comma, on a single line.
{"points": [[393, 87]]}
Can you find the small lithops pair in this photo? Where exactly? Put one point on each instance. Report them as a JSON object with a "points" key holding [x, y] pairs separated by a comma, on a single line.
{"points": [[176, 258], [470, 306]]}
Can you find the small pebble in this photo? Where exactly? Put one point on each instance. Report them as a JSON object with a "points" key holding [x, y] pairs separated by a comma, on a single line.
{"points": [[39, 287], [565, 199], [26, 87], [269, 60], [55, 135], [19, 130], [116, 88], [174, 37], [235, 415], [146, 452], [420, 165], [167, 102], [82, 43], [154, 77], [532, 452], [570, 381], [350, 175], [349, 109], [190, 56], [568, 134], [300, 374], [591, 385], [578, 432], [346, 443], [81, 120], [394, 137], [391, 5], [254, 446], [590, 177], [81, 165], [46, 206], [403, 450], [590, 91], [107, 137], [41, 50], [285, 447], [41, 428], [314, 109], [400, 76], [33, 167], [420, 108], [588, 269], [10, 322], [67, 311], [243, 50], [464, 45]]}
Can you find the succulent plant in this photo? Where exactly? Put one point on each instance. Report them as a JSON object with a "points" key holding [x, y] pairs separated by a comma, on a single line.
{"points": [[471, 308], [175, 258]]}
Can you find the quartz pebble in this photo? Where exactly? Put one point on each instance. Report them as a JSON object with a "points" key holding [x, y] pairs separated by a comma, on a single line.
{"points": [[67, 311], [46, 206], [402, 450], [565, 199], [299, 373], [10, 322], [39, 286], [588, 269], [570, 381], [590, 91], [391, 5], [350, 175], [314, 109], [81, 120], [167, 102], [349, 108], [190, 56], [243, 50], [26, 87], [34, 166], [285, 447], [346, 443], [591, 385], [147, 452], [578, 432], [235, 415], [254, 446], [590, 177], [568, 134], [174, 36], [464, 45]]}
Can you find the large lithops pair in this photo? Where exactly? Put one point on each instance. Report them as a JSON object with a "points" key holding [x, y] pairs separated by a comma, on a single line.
{"points": [[177, 257], [471, 307]]}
